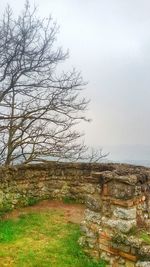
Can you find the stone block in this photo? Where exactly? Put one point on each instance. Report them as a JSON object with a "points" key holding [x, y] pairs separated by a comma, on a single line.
{"points": [[121, 247], [91, 234], [144, 252], [134, 251], [119, 202], [124, 248], [120, 191], [84, 228], [104, 242], [92, 216], [88, 188], [129, 264], [105, 190], [143, 264], [134, 242], [104, 235], [82, 241], [107, 209], [104, 256], [114, 263], [125, 213], [108, 249], [123, 226], [91, 242], [93, 203], [121, 261], [95, 228], [128, 256]]}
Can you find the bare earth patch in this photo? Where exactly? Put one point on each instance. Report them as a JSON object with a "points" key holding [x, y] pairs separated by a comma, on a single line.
{"points": [[72, 212]]}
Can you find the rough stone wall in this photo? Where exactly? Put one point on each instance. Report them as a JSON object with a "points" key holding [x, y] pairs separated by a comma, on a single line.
{"points": [[116, 195], [115, 216], [23, 185]]}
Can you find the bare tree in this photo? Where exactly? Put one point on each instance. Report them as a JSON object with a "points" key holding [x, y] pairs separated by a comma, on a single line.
{"points": [[39, 106]]}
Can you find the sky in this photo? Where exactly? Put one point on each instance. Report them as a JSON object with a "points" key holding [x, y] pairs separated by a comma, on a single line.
{"points": [[109, 42]]}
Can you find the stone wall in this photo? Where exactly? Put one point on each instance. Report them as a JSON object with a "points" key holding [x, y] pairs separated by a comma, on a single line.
{"points": [[116, 197], [118, 216], [24, 185]]}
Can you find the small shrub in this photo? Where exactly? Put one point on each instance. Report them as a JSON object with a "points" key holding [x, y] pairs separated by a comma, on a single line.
{"points": [[32, 201]]}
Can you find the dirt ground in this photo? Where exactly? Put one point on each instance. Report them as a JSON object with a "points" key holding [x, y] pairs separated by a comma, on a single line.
{"points": [[72, 212]]}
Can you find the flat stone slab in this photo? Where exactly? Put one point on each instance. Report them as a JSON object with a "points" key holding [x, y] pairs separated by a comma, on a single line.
{"points": [[123, 213]]}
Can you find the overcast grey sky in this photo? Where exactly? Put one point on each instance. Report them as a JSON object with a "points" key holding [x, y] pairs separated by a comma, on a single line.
{"points": [[109, 41]]}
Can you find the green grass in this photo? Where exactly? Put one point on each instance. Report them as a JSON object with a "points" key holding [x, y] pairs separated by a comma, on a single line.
{"points": [[42, 240], [145, 237]]}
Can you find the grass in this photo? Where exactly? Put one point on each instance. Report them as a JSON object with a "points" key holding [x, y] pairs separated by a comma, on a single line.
{"points": [[42, 240], [145, 237]]}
